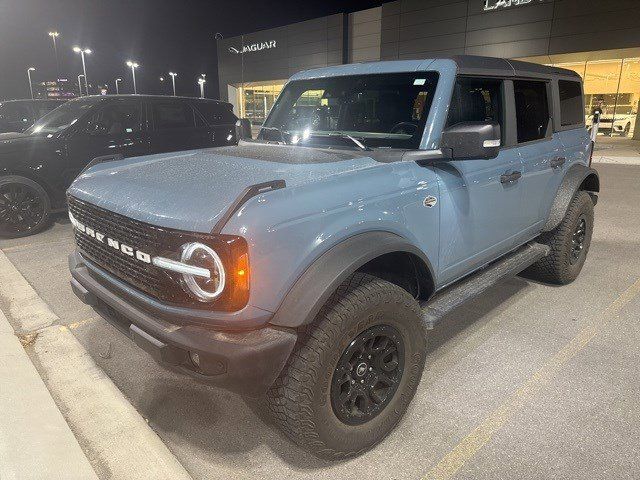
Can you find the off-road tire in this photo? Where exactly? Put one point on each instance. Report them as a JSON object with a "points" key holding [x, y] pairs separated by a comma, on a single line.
{"points": [[557, 267], [43, 197], [300, 400]]}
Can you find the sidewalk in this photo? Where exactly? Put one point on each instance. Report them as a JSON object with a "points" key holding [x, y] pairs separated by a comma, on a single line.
{"points": [[35, 440], [618, 150]]}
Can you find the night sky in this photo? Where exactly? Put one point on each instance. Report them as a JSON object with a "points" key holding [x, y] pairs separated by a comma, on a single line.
{"points": [[160, 35]]}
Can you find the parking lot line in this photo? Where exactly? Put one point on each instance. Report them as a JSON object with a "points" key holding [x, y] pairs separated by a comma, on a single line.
{"points": [[464, 451]]}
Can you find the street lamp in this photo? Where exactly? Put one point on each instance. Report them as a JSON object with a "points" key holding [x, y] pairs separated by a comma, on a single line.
{"points": [[133, 66], [29, 70], [173, 81], [53, 36], [201, 82], [117, 90], [80, 84], [82, 52]]}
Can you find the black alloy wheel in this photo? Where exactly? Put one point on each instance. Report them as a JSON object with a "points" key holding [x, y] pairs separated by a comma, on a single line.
{"points": [[367, 375], [23, 209], [577, 240]]}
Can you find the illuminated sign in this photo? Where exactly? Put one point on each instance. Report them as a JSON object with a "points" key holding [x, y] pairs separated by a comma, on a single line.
{"points": [[490, 5], [254, 47]]}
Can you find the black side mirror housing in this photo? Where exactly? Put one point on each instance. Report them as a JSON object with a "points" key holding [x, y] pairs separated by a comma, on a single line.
{"points": [[472, 140], [243, 129]]}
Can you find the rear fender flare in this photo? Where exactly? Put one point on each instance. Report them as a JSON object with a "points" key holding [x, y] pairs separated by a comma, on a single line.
{"points": [[321, 279], [571, 183]]}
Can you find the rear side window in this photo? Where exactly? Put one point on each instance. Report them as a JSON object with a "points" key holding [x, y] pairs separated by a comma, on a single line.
{"points": [[172, 115], [532, 110], [476, 100], [571, 108], [215, 113]]}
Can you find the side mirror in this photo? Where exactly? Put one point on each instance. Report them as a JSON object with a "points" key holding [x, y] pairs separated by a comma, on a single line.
{"points": [[472, 140], [243, 129]]}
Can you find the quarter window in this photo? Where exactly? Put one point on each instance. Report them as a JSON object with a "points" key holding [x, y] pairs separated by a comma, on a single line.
{"points": [[532, 110], [570, 103]]}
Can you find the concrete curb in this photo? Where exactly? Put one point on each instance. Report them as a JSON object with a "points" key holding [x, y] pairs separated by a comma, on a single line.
{"points": [[115, 438], [617, 160], [35, 440]]}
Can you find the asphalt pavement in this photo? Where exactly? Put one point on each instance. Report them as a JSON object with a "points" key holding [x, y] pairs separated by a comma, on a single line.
{"points": [[527, 381]]}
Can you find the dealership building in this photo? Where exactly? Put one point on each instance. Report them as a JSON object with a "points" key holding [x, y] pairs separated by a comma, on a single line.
{"points": [[598, 39]]}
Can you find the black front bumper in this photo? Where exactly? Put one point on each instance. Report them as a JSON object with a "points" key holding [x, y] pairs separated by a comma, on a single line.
{"points": [[246, 362]]}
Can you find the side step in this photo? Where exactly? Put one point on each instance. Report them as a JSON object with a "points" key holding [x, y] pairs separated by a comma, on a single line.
{"points": [[476, 283]]}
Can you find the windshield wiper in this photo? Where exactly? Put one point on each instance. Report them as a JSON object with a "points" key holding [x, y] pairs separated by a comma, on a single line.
{"points": [[357, 142]]}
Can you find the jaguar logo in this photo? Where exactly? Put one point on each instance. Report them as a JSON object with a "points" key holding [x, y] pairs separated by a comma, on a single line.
{"points": [[254, 47], [490, 5], [111, 242]]}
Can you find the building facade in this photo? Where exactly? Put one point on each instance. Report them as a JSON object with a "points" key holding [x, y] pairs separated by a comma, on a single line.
{"points": [[598, 39]]}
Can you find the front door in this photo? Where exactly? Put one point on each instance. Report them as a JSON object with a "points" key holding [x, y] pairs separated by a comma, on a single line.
{"points": [[115, 128], [479, 199]]}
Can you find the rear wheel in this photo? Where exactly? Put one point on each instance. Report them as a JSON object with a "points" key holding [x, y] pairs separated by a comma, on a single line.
{"points": [[354, 371], [569, 244], [24, 207]]}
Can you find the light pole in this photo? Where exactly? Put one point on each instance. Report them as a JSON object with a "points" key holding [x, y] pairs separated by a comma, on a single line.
{"points": [[173, 81], [117, 89], [201, 82], [133, 66], [29, 70], [82, 52], [53, 36], [80, 84]]}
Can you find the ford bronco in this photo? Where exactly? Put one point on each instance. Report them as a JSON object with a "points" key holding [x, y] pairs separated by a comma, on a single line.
{"points": [[307, 266]]}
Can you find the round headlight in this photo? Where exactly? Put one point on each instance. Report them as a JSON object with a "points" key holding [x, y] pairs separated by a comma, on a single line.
{"points": [[203, 256]]}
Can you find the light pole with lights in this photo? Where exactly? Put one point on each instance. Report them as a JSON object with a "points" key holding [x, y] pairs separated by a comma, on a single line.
{"points": [[173, 81], [53, 36], [117, 89], [29, 70], [82, 52], [201, 82], [133, 66]]}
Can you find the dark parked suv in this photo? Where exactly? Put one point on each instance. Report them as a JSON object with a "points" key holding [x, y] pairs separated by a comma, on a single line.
{"points": [[37, 166], [18, 115]]}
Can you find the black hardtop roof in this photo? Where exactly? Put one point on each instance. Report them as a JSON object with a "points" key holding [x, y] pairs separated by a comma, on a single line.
{"points": [[98, 98], [477, 65]]}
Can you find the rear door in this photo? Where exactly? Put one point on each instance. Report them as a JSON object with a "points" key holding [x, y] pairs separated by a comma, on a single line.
{"points": [[220, 119], [542, 153], [177, 126], [117, 127], [479, 199]]}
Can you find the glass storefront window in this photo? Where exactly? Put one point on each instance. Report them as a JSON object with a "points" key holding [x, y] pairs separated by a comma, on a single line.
{"points": [[255, 101]]}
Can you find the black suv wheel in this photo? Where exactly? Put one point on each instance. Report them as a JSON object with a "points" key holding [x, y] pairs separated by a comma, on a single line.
{"points": [[569, 244], [24, 207], [354, 371]]}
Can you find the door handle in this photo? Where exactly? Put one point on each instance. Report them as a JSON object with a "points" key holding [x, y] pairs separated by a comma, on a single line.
{"points": [[510, 177], [557, 162]]}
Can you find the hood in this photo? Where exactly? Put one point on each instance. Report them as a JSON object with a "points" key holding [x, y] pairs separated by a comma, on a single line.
{"points": [[15, 142], [192, 190], [11, 135]]}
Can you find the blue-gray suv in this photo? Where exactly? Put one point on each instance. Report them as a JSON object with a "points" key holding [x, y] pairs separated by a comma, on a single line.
{"points": [[308, 265]]}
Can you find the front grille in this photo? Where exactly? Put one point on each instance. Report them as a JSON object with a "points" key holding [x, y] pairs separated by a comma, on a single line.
{"points": [[149, 239]]}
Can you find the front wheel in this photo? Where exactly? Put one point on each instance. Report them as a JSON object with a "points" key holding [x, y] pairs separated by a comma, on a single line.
{"points": [[354, 372], [24, 207]]}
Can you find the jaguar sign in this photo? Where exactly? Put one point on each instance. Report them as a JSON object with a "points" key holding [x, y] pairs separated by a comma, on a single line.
{"points": [[490, 5], [254, 47]]}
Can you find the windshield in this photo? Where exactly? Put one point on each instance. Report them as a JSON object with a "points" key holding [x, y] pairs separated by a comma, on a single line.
{"points": [[60, 118], [381, 110]]}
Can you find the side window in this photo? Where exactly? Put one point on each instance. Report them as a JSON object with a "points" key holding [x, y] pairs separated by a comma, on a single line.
{"points": [[116, 118], [215, 113], [476, 100], [532, 110], [571, 109], [172, 115]]}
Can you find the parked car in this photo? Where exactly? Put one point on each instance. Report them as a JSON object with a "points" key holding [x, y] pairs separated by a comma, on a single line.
{"points": [[36, 167], [18, 115], [619, 124], [307, 266]]}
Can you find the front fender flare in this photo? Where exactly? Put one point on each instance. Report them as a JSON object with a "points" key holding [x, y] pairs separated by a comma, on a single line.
{"points": [[322, 278], [571, 182]]}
